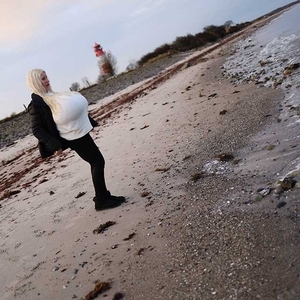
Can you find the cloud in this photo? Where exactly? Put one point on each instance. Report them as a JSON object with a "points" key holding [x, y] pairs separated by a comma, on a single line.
{"points": [[139, 11], [146, 6]]}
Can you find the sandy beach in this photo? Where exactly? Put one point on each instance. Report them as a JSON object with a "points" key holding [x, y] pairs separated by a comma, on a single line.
{"points": [[203, 219]]}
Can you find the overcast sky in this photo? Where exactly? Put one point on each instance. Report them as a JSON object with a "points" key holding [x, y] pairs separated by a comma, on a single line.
{"points": [[58, 36]]}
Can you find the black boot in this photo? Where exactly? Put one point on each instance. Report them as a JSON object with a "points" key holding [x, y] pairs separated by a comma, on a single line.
{"points": [[121, 199], [106, 203]]}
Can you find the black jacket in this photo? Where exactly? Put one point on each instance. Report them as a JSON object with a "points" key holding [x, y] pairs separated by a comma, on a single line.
{"points": [[44, 128]]}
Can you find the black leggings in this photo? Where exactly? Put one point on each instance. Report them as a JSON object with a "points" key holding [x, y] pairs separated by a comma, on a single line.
{"points": [[86, 148]]}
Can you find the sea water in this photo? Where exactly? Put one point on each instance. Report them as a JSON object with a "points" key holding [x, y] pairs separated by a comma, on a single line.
{"points": [[264, 56]]}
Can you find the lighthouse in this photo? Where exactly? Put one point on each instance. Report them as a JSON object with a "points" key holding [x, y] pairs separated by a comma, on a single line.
{"points": [[98, 50], [104, 63]]}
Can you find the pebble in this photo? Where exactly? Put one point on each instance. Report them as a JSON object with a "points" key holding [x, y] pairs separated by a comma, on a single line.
{"points": [[257, 198], [264, 191], [281, 204], [278, 190], [288, 183]]}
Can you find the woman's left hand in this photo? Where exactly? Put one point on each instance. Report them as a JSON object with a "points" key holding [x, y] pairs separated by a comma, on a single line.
{"points": [[58, 152]]}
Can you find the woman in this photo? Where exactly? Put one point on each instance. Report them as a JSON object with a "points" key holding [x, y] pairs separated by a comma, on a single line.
{"points": [[60, 121]]}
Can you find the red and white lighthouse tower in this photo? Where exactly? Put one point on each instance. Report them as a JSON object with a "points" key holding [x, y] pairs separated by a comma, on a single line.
{"points": [[104, 63], [98, 50]]}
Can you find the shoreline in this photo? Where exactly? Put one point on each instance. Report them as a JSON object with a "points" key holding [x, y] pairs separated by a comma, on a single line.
{"points": [[190, 221]]}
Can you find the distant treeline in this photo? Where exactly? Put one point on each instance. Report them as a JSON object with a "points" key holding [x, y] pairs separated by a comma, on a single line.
{"points": [[13, 116], [209, 35]]}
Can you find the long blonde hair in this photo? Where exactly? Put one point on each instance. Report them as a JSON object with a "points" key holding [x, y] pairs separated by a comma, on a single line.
{"points": [[34, 82]]}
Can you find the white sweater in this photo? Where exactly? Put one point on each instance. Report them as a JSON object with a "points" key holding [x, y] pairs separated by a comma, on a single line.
{"points": [[72, 119]]}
